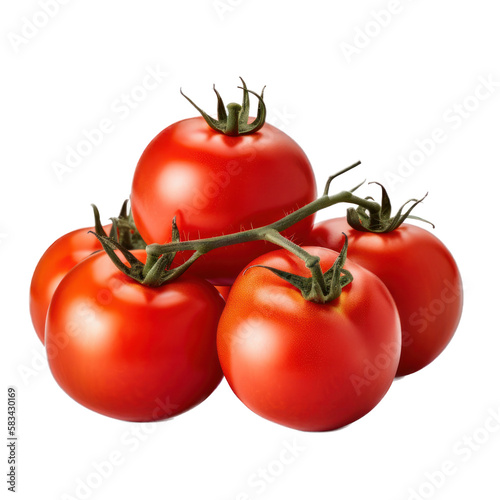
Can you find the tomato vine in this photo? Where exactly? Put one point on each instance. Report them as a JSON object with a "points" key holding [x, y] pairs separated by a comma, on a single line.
{"points": [[157, 270]]}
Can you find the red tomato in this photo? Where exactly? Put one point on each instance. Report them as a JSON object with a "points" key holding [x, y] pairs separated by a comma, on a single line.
{"points": [[55, 263], [313, 367], [129, 351], [421, 275], [224, 291], [216, 184]]}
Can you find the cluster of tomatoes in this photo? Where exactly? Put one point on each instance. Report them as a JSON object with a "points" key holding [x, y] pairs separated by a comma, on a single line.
{"points": [[143, 353]]}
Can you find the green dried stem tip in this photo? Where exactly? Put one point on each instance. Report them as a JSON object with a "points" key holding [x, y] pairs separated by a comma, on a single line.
{"points": [[380, 221], [234, 122]]}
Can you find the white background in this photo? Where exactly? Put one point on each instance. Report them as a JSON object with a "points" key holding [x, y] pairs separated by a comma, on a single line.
{"points": [[342, 96]]}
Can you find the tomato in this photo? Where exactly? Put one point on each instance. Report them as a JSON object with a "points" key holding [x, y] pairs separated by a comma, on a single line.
{"points": [[54, 264], [309, 366], [129, 351], [216, 184], [421, 275], [224, 291]]}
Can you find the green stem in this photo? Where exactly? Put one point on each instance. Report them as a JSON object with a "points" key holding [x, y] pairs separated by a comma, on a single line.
{"points": [[176, 272], [151, 260], [320, 287], [332, 177], [311, 261], [207, 244], [233, 119]]}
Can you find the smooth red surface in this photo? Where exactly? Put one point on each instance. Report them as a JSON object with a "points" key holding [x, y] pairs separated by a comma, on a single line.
{"points": [[64, 254], [421, 275], [224, 291], [307, 365], [132, 352], [214, 184]]}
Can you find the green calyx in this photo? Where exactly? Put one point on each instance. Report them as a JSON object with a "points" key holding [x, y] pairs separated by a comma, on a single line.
{"points": [[320, 287], [234, 122], [154, 272], [380, 221], [123, 229]]}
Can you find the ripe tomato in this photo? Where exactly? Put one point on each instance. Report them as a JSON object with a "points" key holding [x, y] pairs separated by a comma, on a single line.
{"points": [[216, 184], [421, 275], [313, 367], [224, 291], [55, 263], [129, 351]]}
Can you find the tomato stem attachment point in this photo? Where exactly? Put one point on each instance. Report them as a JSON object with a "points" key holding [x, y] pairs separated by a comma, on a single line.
{"points": [[320, 287], [123, 228], [311, 261], [235, 122], [380, 221], [233, 118]]}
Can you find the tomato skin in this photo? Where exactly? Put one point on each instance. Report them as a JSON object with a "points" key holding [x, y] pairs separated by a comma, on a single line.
{"points": [[421, 275], [301, 364], [216, 184], [224, 291], [129, 351], [64, 254]]}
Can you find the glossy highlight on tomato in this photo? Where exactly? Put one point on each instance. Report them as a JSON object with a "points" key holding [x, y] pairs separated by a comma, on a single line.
{"points": [[130, 351], [215, 184], [306, 365]]}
